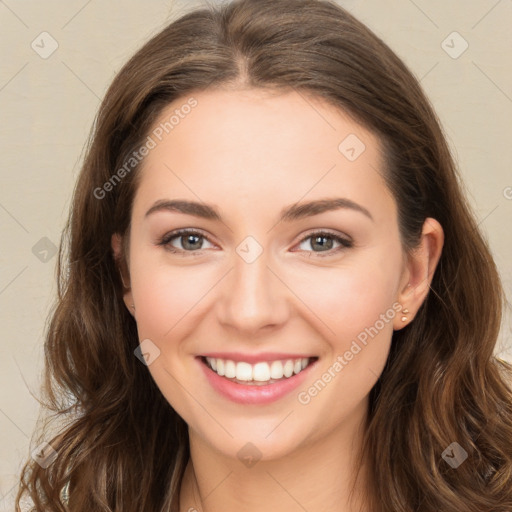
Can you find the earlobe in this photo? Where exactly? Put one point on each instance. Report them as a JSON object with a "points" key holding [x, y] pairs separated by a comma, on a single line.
{"points": [[404, 315], [421, 265]]}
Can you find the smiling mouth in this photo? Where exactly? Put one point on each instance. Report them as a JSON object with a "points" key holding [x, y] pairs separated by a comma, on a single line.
{"points": [[258, 374]]}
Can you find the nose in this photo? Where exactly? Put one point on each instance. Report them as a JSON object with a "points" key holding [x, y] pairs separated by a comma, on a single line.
{"points": [[253, 297]]}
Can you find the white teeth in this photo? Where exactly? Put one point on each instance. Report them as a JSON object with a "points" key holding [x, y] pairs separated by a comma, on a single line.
{"points": [[220, 367], [288, 368], [259, 372], [276, 370], [230, 369], [243, 371]]}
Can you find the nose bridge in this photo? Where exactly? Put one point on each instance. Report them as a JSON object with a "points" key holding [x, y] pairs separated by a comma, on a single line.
{"points": [[254, 297]]}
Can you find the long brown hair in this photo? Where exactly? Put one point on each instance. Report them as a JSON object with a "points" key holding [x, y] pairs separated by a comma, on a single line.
{"points": [[120, 444]]}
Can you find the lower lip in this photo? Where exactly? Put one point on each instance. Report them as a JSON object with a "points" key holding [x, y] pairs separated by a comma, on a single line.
{"points": [[254, 394]]}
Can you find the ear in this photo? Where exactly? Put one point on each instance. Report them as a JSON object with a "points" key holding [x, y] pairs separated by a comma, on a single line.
{"points": [[120, 259], [419, 271]]}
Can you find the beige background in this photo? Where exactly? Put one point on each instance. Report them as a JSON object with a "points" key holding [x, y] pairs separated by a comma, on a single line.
{"points": [[48, 105]]}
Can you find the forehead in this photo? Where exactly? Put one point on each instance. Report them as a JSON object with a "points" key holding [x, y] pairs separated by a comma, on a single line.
{"points": [[254, 142], [260, 120]]}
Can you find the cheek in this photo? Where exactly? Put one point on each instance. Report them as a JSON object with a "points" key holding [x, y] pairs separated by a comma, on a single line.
{"points": [[166, 295], [357, 309], [352, 297]]}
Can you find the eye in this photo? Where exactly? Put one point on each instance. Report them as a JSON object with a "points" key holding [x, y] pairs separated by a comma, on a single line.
{"points": [[192, 239], [320, 239]]}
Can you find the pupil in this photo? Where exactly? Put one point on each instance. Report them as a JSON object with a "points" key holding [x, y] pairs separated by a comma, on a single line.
{"points": [[190, 237], [322, 238]]}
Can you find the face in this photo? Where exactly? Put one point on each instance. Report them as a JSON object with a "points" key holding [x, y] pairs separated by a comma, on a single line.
{"points": [[258, 287]]}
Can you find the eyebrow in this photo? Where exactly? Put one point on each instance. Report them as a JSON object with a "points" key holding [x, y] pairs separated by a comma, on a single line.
{"points": [[288, 214]]}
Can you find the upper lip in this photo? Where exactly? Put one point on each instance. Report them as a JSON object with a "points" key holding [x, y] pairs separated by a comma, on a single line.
{"points": [[255, 358]]}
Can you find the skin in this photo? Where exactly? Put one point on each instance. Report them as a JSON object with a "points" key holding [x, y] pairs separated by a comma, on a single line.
{"points": [[251, 154]]}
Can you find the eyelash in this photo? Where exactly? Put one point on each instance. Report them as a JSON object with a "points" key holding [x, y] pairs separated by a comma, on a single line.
{"points": [[345, 243]]}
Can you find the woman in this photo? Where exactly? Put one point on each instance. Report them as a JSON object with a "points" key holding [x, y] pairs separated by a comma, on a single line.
{"points": [[278, 297]]}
